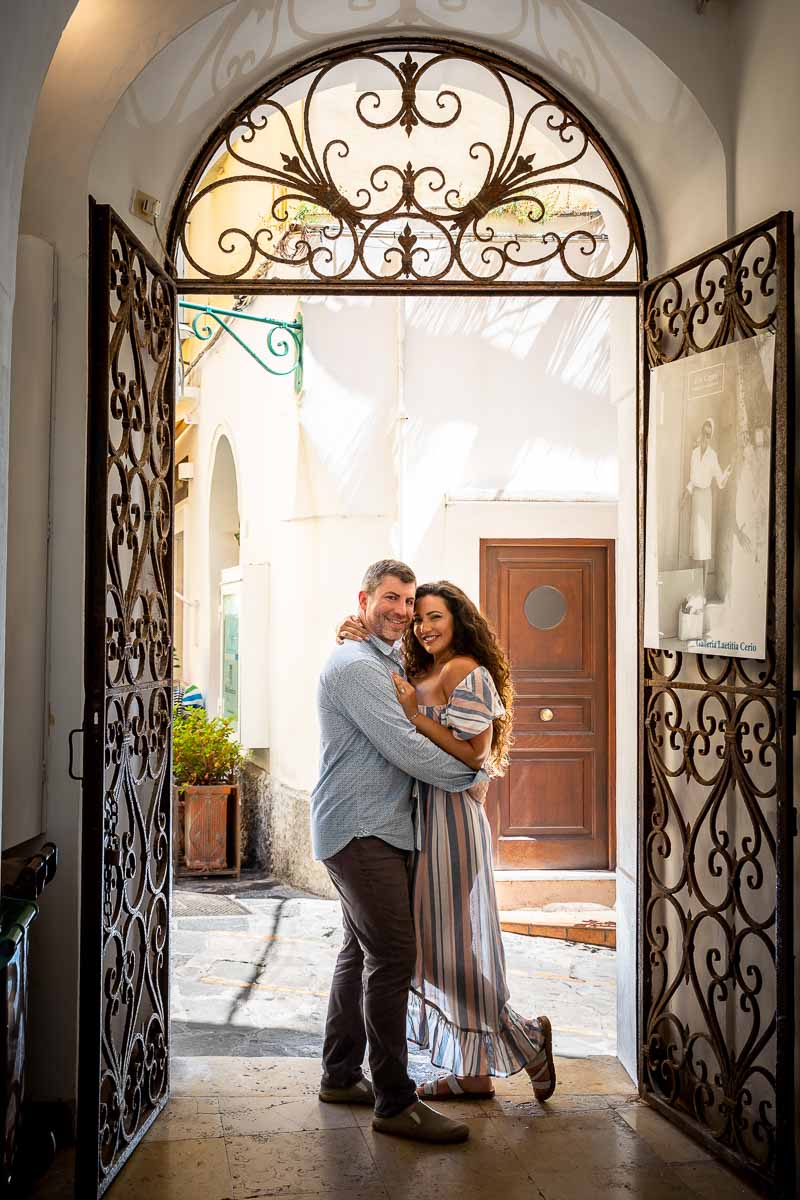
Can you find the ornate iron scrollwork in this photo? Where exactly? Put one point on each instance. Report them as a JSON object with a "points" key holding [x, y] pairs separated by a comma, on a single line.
{"points": [[124, 1029], [715, 858], [284, 339], [366, 201], [730, 295]]}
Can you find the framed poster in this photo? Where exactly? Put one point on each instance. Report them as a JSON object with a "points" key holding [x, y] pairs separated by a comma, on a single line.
{"points": [[708, 501]]}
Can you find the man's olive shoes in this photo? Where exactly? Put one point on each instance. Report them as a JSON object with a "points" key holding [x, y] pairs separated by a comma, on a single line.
{"points": [[357, 1093], [422, 1123]]}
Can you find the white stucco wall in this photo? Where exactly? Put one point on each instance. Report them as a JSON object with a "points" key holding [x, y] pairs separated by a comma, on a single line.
{"points": [[27, 585], [28, 36], [767, 163], [411, 416], [506, 398], [656, 78]]}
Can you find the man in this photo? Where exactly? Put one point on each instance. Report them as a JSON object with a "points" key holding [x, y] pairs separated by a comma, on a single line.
{"points": [[364, 830]]}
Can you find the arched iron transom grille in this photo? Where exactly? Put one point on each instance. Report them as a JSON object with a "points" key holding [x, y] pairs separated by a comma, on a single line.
{"points": [[408, 164]]}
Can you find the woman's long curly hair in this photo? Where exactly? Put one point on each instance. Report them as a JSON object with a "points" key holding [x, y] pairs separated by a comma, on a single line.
{"points": [[474, 637]]}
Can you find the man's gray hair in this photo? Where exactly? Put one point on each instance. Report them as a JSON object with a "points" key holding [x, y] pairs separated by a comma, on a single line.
{"points": [[375, 574]]}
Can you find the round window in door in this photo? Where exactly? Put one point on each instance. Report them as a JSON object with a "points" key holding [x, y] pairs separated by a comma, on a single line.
{"points": [[545, 607]]}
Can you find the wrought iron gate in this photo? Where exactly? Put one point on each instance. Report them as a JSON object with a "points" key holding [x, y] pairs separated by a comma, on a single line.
{"points": [[715, 777], [124, 1034]]}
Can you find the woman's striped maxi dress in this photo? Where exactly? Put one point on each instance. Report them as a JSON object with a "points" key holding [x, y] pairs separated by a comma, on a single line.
{"points": [[458, 1006]]}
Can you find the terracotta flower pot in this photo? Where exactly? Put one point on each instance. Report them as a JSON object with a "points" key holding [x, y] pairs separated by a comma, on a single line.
{"points": [[211, 828]]}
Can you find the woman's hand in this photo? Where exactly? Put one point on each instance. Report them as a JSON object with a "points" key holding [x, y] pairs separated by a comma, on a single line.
{"points": [[406, 694], [478, 791], [352, 629]]}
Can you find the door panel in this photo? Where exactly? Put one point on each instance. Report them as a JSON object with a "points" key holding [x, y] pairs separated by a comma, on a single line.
{"points": [[126, 831], [552, 605], [560, 650], [551, 796], [716, 986]]}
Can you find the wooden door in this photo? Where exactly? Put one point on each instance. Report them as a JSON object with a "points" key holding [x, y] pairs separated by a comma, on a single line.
{"points": [[552, 603], [125, 892]]}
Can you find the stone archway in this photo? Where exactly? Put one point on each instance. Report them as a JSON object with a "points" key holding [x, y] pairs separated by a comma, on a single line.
{"points": [[498, 238], [314, 184]]}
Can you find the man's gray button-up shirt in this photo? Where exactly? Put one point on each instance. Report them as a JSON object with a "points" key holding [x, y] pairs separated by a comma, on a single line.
{"points": [[370, 753]]}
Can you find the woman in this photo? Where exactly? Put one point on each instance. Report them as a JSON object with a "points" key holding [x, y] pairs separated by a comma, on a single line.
{"points": [[704, 470], [459, 695]]}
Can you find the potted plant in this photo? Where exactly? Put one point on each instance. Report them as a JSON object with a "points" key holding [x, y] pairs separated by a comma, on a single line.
{"points": [[206, 759]]}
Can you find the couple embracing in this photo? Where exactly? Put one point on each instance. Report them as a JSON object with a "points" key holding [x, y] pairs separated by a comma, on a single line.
{"points": [[415, 714]]}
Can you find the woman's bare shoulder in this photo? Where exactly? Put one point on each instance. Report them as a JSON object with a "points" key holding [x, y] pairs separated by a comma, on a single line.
{"points": [[457, 670]]}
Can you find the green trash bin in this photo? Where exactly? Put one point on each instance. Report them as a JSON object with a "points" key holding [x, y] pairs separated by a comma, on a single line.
{"points": [[15, 919]]}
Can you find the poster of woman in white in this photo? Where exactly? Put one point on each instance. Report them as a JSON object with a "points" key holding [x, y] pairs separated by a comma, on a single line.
{"points": [[708, 495]]}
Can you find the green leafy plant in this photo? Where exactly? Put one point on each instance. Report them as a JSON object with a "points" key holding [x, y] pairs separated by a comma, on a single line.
{"points": [[298, 212], [524, 210], [204, 751], [308, 213]]}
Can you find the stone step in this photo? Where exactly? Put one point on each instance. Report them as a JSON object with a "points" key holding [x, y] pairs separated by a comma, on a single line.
{"points": [[535, 889], [590, 924]]}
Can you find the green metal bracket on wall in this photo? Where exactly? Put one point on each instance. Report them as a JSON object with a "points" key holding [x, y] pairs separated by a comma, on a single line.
{"points": [[284, 340]]}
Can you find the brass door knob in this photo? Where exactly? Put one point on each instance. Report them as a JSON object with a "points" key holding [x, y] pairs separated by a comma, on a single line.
{"points": [[546, 714]]}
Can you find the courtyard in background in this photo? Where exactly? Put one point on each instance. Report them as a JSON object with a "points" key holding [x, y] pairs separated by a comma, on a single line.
{"points": [[252, 965]]}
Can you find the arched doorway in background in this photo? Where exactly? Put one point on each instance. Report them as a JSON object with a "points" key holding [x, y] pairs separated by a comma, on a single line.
{"points": [[223, 578]]}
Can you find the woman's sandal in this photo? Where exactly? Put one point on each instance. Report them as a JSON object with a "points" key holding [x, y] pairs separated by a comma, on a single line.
{"points": [[544, 1088], [453, 1090]]}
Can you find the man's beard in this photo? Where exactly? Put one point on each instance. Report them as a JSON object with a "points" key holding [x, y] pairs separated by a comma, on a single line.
{"points": [[387, 630]]}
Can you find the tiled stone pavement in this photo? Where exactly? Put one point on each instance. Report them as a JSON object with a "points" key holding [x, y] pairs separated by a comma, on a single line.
{"points": [[251, 977], [250, 981], [248, 1127]]}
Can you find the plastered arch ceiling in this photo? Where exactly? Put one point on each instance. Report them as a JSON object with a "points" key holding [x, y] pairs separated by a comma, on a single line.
{"points": [[131, 95]]}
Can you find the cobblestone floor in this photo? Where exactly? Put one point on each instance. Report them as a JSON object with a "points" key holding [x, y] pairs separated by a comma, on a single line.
{"points": [[251, 974]]}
